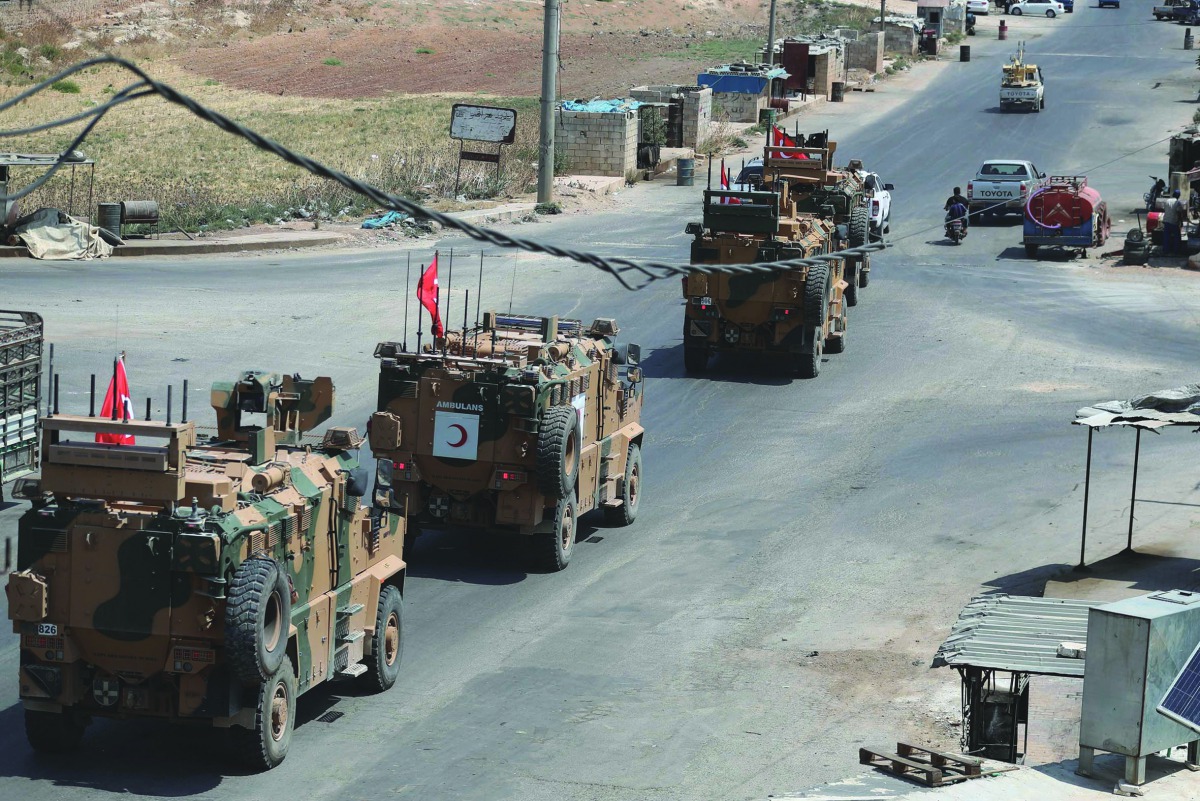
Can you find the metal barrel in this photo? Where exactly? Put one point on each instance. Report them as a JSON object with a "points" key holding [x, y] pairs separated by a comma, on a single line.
{"points": [[685, 174], [964, 52], [139, 211], [1003, 30], [1187, 38], [837, 92], [109, 216]]}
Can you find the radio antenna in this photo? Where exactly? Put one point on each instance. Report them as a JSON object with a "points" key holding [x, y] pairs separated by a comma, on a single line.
{"points": [[449, 281], [407, 278], [512, 291]]}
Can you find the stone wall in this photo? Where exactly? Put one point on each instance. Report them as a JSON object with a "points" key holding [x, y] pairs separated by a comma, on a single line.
{"points": [[598, 143], [737, 107], [697, 107], [900, 39], [830, 67], [866, 53]]}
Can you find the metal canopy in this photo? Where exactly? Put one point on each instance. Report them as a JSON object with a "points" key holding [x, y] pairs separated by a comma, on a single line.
{"points": [[1168, 407], [1017, 633]]}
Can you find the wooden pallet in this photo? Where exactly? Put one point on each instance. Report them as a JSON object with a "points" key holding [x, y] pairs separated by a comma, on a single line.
{"points": [[926, 765]]}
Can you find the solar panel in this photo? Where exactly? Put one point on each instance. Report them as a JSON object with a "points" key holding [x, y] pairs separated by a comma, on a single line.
{"points": [[1182, 701]]}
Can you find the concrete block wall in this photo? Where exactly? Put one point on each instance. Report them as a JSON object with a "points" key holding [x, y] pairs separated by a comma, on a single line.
{"points": [[737, 107], [900, 39], [598, 143], [830, 67], [866, 53], [697, 107]]}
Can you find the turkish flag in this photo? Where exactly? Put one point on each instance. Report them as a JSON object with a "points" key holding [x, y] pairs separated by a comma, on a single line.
{"points": [[118, 394], [427, 295]]}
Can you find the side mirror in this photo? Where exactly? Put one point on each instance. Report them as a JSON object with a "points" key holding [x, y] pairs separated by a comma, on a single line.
{"points": [[633, 354], [1041, 175], [693, 229], [634, 374], [889, 187]]}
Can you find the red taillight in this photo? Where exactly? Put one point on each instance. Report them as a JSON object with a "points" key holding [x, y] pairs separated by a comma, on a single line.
{"points": [[1024, 188], [874, 206], [399, 466], [970, 189]]}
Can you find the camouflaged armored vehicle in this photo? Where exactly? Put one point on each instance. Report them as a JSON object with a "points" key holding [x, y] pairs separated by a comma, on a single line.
{"points": [[210, 583], [522, 424], [796, 314], [817, 187]]}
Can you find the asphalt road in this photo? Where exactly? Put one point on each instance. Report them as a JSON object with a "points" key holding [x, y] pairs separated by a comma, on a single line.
{"points": [[803, 545]]}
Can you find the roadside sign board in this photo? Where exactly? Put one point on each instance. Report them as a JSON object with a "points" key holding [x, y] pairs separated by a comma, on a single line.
{"points": [[483, 123]]}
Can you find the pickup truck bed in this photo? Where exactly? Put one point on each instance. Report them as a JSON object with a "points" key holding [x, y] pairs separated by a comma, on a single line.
{"points": [[1002, 186]]}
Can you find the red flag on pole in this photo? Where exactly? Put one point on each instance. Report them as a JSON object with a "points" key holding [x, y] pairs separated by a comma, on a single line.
{"points": [[427, 295], [117, 398]]}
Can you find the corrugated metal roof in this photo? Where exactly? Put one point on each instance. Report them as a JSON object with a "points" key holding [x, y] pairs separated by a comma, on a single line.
{"points": [[1017, 633]]}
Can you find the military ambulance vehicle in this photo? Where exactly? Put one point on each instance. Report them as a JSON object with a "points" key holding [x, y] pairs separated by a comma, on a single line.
{"points": [[793, 314], [521, 424], [209, 582]]}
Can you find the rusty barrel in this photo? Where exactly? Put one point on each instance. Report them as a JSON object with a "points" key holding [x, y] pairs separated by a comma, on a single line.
{"points": [[139, 211], [964, 52], [685, 172], [1003, 30], [837, 92], [108, 215]]}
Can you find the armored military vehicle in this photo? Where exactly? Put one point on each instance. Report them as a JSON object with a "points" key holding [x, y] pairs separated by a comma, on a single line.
{"points": [[837, 194], [795, 314], [520, 424], [20, 393], [208, 582]]}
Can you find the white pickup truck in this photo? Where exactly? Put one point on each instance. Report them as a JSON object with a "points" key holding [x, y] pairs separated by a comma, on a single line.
{"points": [[1002, 186]]}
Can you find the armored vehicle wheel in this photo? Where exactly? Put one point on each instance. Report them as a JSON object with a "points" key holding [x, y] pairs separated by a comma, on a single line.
{"points": [[1031, 251], [852, 279], [816, 295], [258, 611], [552, 550], [54, 732], [695, 360], [809, 365], [864, 277], [558, 452], [266, 745], [631, 490], [387, 644], [860, 227]]}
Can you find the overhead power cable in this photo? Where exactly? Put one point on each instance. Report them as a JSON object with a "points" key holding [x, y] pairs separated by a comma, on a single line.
{"points": [[631, 274]]}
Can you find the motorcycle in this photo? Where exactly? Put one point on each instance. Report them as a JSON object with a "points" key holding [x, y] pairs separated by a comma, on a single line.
{"points": [[955, 231], [1156, 191]]}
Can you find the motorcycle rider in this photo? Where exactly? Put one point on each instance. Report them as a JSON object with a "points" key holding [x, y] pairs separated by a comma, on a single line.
{"points": [[956, 209]]}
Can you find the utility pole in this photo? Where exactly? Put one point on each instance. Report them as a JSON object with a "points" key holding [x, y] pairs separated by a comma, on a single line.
{"points": [[545, 192], [882, 18], [771, 36]]}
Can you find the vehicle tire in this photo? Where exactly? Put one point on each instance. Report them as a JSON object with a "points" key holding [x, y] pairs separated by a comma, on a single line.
{"points": [[1031, 251], [387, 643], [860, 227], [558, 452], [1050, 13], [552, 551], [258, 614], [816, 295], [851, 292], [1016, 12], [54, 732], [864, 277], [695, 360], [809, 360], [266, 744], [1042, 103], [631, 490]]}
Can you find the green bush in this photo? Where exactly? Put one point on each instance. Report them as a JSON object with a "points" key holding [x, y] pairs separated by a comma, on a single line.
{"points": [[332, 62], [66, 87]]}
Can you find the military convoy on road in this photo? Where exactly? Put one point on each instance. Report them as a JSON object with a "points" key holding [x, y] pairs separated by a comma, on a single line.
{"points": [[208, 582], [802, 207], [521, 424]]}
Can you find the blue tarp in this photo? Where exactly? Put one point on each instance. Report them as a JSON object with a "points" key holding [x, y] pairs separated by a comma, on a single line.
{"points": [[619, 106], [387, 219], [738, 84]]}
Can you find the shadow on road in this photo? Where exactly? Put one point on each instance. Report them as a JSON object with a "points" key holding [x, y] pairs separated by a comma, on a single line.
{"points": [[740, 368], [146, 758], [468, 556]]}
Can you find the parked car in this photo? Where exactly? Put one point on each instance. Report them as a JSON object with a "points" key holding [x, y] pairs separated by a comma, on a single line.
{"points": [[1113, 3], [1068, 5], [1166, 10], [978, 6], [1050, 8]]}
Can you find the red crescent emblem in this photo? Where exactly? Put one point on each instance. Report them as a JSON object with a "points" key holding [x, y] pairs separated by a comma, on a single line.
{"points": [[462, 437]]}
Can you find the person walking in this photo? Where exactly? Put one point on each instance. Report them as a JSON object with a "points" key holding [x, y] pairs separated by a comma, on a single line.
{"points": [[1175, 214]]}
